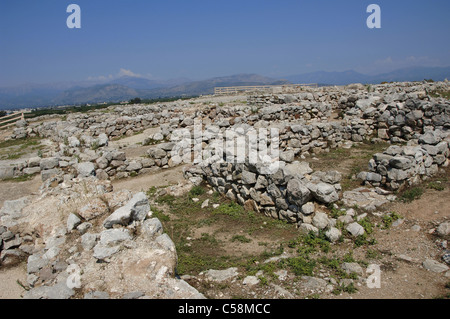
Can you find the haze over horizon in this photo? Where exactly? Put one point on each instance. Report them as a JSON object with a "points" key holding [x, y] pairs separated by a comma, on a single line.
{"points": [[201, 39]]}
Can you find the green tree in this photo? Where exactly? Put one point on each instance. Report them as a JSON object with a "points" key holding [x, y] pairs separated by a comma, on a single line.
{"points": [[135, 101]]}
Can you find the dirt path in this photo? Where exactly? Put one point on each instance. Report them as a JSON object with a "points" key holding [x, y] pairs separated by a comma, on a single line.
{"points": [[10, 289], [408, 279], [12, 190], [144, 182]]}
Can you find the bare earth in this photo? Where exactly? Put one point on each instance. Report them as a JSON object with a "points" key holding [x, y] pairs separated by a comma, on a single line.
{"points": [[14, 190], [143, 183]]}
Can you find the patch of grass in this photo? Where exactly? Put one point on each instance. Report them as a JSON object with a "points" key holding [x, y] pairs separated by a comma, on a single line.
{"points": [[22, 178], [208, 238], [348, 257], [152, 191], [263, 281], [13, 156], [389, 218], [194, 262], [367, 225], [350, 288], [133, 174], [14, 149], [411, 194], [241, 239], [440, 93], [95, 145], [335, 213], [332, 263], [436, 186], [309, 243], [363, 240], [160, 215], [23, 143], [166, 199], [372, 254], [197, 191], [300, 266], [208, 252], [231, 209]]}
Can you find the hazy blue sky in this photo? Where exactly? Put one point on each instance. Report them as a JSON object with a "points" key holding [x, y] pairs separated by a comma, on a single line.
{"points": [[206, 38]]}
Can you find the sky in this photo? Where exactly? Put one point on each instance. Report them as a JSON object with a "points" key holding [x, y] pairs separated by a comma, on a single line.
{"points": [[199, 39]]}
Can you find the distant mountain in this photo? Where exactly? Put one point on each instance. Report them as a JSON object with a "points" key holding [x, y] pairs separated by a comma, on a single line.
{"points": [[96, 94], [207, 86], [331, 78], [413, 74], [128, 87], [140, 83], [347, 77]]}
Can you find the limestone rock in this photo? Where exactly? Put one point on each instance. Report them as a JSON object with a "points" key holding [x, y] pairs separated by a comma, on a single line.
{"points": [[355, 229], [136, 209]]}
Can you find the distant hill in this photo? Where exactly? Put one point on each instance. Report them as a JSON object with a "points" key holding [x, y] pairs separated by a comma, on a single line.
{"points": [[347, 77], [128, 87], [207, 86], [413, 74], [96, 94], [140, 83], [331, 78]]}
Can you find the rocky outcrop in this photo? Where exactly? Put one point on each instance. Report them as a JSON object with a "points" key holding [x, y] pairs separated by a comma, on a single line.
{"points": [[74, 250]]}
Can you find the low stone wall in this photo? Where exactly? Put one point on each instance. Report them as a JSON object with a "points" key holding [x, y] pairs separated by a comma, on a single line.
{"points": [[289, 193], [401, 166]]}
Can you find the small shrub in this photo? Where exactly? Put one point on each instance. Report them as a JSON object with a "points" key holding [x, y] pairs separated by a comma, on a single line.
{"points": [[263, 281], [367, 225], [362, 240], [197, 191], [348, 257], [335, 213], [411, 194], [372, 254], [388, 219], [95, 145], [351, 289]]}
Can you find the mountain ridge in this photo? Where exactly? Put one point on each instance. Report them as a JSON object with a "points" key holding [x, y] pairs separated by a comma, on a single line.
{"points": [[128, 87]]}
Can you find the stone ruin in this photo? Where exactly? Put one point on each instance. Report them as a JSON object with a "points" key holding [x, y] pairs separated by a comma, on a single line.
{"points": [[108, 228]]}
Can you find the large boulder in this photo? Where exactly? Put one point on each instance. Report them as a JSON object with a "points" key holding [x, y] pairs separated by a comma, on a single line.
{"points": [[49, 163], [86, 169], [136, 209], [323, 192], [297, 192]]}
